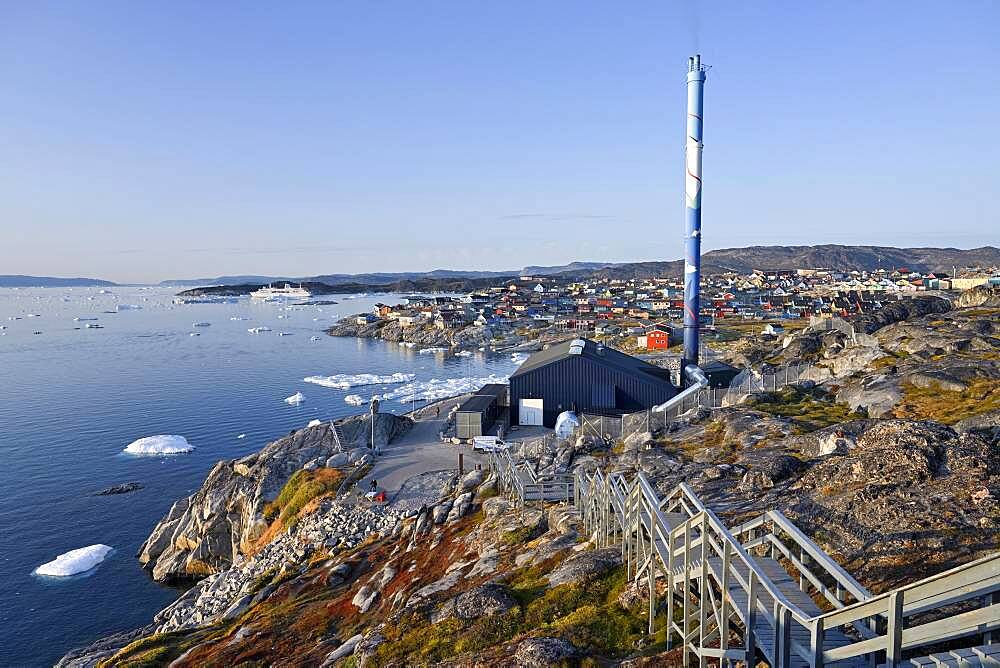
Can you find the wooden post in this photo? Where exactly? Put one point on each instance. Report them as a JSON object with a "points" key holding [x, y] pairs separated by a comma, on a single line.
{"points": [[786, 637], [724, 631], [461, 463], [894, 631], [749, 641], [670, 586], [687, 589], [816, 644], [652, 575], [991, 599]]}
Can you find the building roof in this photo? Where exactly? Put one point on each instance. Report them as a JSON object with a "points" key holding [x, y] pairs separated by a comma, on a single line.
{"points": [[598, 353]]}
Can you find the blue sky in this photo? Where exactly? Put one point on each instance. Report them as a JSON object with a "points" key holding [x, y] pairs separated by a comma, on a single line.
{"points": [[144, 141]]}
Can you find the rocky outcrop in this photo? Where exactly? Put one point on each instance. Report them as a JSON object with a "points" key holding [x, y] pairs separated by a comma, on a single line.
{"points": [[205, 532], [585, 566], [979, 296], [904, 309]]}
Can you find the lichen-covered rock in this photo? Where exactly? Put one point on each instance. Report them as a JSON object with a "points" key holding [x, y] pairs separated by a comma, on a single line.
{"points": [[585, 566], [544, 652]]}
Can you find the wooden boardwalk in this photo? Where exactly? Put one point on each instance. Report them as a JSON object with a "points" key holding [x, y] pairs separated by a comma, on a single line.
{"points": [[763, 591]]}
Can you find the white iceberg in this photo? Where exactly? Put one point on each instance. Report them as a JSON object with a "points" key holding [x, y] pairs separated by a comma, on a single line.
{"points": [[284, 333], [295, 399], [354, 399], [75, 561], [464, 353], [241, 436], [195, 334], [343, 381], [238, 318], [258, 330], [314, 338], [162, 444], [437, 388], [432, 350], [314, 423]]}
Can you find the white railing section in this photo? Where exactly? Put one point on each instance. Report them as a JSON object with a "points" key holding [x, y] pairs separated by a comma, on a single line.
{"points": [[721, 582]]}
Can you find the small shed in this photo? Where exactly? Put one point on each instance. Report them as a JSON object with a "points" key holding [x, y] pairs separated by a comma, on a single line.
{"points": [[478, 413]]}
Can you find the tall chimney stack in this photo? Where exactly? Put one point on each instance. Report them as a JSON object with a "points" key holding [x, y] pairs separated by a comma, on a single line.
{"points": [[692, 197]]}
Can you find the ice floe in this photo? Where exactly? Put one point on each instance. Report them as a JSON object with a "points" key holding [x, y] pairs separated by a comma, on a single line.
{"points": [[295, 399], [82, 319], [241, 436], [314, 338], [439, 388], [75, 561], [128, 307], [343, 381], [284, 333], [195, 334], [258, 330], [314, 423], [238, 318], [162, 444], [464, 353], [432, 350], [202, 324], [354, 399]]}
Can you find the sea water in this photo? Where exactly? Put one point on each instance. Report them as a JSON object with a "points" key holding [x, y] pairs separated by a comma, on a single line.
{"points": [[73, 398]]}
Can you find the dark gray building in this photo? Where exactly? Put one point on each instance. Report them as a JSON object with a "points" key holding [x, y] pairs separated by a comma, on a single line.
{"points": [[586, 377], [480, 411]]}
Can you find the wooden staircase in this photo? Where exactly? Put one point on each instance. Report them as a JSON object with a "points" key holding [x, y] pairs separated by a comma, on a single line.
{"points": [[763, 591]]}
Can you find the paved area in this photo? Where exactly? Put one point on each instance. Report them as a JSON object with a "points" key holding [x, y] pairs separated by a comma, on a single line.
{"points": [[421, 451]]}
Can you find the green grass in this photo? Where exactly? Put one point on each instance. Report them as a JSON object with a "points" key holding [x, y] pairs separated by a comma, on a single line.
{"points": [[948, 407], [301, 488], [587, 614], [808, 410]]}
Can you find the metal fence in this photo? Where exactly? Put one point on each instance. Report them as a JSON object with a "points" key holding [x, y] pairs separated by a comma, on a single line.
{"points": [[749, 381]]}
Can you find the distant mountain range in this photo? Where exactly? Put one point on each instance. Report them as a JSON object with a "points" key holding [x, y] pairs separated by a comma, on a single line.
{"points": [[784, 258], [18, 281], [741, 260]]}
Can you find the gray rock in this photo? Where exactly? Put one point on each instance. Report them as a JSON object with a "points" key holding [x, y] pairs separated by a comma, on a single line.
{"points": [[123, 488], [461, 507], [364, 598], [471, 480], [345, 649], [440, 511], [586, 566], [544, 652]]}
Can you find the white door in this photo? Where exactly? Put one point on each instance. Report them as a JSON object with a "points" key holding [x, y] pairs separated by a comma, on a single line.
{"points": [[530, 412]]}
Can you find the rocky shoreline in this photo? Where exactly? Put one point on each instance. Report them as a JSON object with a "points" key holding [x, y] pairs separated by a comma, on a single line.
{"points": [[886, 454]]}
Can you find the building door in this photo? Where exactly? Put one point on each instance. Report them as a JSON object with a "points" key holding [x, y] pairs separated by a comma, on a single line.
{"points": [[530, 412]]}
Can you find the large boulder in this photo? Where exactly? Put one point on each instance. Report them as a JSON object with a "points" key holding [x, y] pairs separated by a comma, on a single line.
{"points": [[544, 652], [586, 566]]}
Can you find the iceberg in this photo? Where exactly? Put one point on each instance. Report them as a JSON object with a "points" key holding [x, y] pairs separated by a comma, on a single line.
{"points": [[238, 318], [202, 324], [342, 381], [314, 423], [314, 338], [195, 334], [464, 353], [258, 330], [354, 399], [295, 399], [284, 333], [82, 319], [432, 350], [163, 444], [241, 436], [437, 388], [75, 561]]}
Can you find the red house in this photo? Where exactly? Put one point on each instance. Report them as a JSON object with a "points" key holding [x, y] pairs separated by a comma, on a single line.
{"points": [[657, 338]]}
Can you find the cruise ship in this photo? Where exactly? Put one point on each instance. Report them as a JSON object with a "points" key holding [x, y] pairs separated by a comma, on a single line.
{"points": [[271, 293]]}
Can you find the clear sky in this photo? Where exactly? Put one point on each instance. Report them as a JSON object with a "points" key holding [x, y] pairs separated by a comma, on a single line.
{"points": [[141, 141]]}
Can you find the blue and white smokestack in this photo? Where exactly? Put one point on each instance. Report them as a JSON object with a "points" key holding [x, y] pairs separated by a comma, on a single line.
{"points": [[692, 196]]}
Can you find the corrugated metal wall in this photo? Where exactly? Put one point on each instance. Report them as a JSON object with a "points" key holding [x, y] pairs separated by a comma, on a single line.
{"points": [[568, 383]]}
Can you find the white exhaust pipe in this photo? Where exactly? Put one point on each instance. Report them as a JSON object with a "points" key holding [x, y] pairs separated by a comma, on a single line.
{"points": [[698, 381]]}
